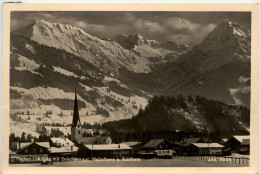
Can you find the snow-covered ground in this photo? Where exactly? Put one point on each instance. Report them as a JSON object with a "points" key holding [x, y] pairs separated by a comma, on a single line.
{"points": [[64, 72], [27, 65]]}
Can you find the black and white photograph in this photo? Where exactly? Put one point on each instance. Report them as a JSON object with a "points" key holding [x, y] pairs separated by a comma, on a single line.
{"points": [[129, 88]]}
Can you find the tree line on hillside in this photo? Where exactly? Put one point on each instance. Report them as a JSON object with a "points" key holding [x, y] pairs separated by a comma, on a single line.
{"points": [[165, 114]]}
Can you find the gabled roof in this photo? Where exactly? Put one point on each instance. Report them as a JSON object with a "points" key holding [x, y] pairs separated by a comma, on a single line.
{"points": [[224, 139], [66, 141], [25, 145], [153, 143], [207, 145], [131, 143], [241, 137], [63, 149], [43, 144], [11, 152], [108, 147], [187, 141]]}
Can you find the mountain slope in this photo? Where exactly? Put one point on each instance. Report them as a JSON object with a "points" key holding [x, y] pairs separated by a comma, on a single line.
{"points": [[209, 69], [44, 78], [114, 80], [104, 54], [175, 114]]}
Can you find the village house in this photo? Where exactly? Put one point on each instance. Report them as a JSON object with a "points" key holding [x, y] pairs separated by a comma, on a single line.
{"points": [[136, 146], [62, 147], [245, 147], [160, 148], [235, 143], [64, 151], [33, 150], [105, 151], [61, 142], [183, 146], [201, 149]]}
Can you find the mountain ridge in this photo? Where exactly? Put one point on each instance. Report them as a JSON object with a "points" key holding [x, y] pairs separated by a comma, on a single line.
{"points": [[119, 80]]}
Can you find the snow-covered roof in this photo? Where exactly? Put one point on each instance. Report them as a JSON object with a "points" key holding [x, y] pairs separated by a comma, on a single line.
{"points": [[187, 141], [153, 143], [25, 145], [241, 137], [63, 149], [43, 144], [131, 143], [207, 145], [11, 152], [64, 142], [108, 147]]}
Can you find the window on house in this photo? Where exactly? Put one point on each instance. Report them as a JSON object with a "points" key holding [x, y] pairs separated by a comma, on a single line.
{"points": [[78, 131], [26, 151], [33, 151], [41, 150]]}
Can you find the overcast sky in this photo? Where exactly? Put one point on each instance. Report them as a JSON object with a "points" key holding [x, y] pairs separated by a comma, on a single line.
{"points": [[181, 27]]}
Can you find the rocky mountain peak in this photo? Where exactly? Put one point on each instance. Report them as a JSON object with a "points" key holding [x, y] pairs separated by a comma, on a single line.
{"points": [[171, 45], [129, 42]]}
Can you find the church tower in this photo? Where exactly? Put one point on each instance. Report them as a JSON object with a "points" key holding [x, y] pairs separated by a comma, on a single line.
{"points": [[76, 131]]}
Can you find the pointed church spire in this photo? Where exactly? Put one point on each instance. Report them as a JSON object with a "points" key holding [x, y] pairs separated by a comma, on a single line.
{"points": [[76, 112]]}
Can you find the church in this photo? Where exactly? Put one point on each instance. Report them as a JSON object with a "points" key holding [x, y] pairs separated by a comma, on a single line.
{"points": [[91, 149], [76, 129]]}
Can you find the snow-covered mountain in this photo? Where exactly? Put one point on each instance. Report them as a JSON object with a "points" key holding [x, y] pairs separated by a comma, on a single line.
{"points": [[114, 78], [210, 69], [153, 50], [103, 54]]}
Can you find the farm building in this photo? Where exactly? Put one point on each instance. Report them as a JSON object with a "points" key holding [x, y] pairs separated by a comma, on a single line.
{"points": [[160, 147], [62, 147], [105, 151], [183, 146], [64, 151], [245, 147], [236, 143], [34, 150], [61, 142], [206, 149], [136, 146]]}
